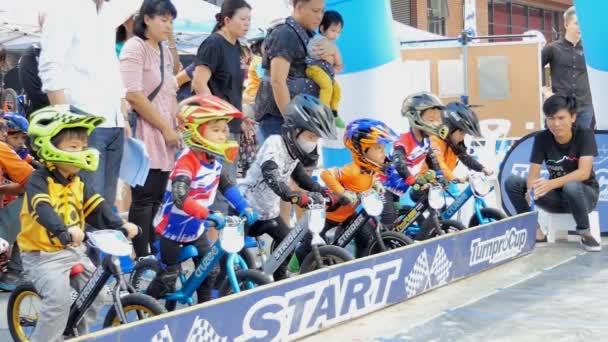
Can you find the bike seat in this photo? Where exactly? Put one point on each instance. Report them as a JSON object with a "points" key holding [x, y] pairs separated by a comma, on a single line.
{"points": [[250, 242], [76, 270], [187, 252]]}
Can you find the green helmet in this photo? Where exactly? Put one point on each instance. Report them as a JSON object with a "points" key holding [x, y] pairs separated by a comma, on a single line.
{"points": [[412, 109], [47, 122]]}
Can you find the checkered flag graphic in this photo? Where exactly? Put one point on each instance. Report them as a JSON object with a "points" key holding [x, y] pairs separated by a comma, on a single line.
{"points": [[202, 331], [162, 336], [440, 268], [419, 278]]}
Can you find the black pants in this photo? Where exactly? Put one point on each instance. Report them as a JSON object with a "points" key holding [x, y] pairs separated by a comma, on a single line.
{"points": [[165, 280], [145, 201], [575, 198], [278, 230], [389, 212]]}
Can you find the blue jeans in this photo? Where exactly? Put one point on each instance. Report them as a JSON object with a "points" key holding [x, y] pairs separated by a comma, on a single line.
{"points": [[110, 143], [269, 125], [585, 117]]}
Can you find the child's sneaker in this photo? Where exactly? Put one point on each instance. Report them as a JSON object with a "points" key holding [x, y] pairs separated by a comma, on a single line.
{"points": [[589, 243], [294, 265]]}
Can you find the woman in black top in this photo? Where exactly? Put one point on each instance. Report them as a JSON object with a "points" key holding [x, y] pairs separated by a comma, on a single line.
{"points": [[219, 71], [218, 61], [567, 151], [284, 55]]}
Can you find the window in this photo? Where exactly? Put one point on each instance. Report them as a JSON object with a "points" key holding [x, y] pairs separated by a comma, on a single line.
{"points": [[437, 26], [511, 17], [437, 14], [402, 10]]}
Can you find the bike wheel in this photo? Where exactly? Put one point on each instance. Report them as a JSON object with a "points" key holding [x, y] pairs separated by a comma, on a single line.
{"points": [[451, 226], [490, 214], [392, 240], [143, 273], [137, 306], [23, 311], [330, 255], [243, 276]]}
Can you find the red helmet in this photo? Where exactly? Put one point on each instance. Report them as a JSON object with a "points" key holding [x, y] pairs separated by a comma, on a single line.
{"points": [[194, 114]]}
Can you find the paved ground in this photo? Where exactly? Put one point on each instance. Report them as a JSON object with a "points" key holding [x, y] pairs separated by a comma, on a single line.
{"points": [[556, 293]]}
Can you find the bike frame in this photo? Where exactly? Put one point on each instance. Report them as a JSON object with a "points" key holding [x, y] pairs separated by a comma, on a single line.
{"points": [[109, 267], [356, 222], [405, 225], [190, 285], [286, 247], [460, 200]]}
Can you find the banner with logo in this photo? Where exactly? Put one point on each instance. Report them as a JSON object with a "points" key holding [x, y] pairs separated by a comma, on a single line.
{"points": [[517, 162], [303, 305]]}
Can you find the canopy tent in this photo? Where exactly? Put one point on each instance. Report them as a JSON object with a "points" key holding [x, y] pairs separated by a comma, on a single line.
{"points": [[19, 24], [195, 21]]}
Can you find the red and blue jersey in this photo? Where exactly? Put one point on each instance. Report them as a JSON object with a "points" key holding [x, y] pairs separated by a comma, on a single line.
{"points": [[415, 153], [172, 222]]}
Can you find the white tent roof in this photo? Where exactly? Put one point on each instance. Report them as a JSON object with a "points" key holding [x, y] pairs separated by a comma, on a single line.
{"points": [[19, 22]]}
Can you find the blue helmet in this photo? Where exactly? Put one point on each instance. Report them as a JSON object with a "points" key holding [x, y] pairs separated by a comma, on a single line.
{"points": [[16, 123], [363, 133]]}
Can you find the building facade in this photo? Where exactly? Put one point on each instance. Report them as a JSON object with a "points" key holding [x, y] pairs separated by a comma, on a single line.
{"points": [[493, 17]]}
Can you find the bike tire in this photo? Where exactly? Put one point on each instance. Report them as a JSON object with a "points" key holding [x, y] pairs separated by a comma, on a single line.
{"points": [[256, 277], [134, 302], [14, 319], [451, 226], [140, 269], [330, 255], [392, 240], [490, 213]]}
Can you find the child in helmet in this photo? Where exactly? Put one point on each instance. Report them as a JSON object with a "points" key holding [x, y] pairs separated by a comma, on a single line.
{"points": [[17, 134], [424, 112], [194, 181], [367, 140], [56, 206], [14, 173], [283, 157], [461, 120]]}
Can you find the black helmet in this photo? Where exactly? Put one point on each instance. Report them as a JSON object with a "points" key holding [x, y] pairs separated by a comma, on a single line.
{"points": [[412, 109], [460, 116], [307, 113]]}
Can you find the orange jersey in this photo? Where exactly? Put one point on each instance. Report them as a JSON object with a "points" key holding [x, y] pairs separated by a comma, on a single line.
{"points": [[12, 167], [350, 177], [446, 157]]}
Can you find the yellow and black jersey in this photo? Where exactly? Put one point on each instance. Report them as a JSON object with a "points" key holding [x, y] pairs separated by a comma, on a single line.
{"points": [[53, 203]]}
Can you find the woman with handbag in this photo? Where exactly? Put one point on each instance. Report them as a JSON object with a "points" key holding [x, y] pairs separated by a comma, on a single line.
{"points": [[147, 70]]}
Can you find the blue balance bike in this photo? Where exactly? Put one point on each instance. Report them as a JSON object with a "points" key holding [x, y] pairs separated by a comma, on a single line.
{"points": [[230, 241], [478, 188]]}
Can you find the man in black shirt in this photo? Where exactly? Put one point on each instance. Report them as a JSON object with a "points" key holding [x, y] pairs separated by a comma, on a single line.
{"points": [[567, 151], [569, 70], [28, 73]]}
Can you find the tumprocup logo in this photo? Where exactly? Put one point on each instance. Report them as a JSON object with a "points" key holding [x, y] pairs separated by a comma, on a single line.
{"points": [[499, 248]]}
